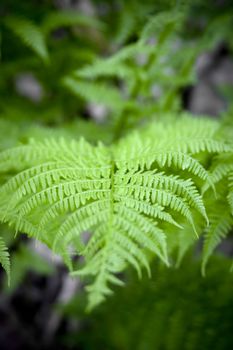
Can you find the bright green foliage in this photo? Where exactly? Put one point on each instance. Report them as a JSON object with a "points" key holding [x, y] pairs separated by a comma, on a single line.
{"points": [[133, 197], [174, 310], [221, 215], [137, 194], [221, 222], [4, 258]]}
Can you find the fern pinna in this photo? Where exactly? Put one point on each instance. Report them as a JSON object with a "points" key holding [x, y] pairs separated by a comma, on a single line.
{"points": [[152, 193]]}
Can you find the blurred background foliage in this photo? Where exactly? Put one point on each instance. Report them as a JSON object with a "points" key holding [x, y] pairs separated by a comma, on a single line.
{"points": [[113, 63], [176, 309], [98, 69]]}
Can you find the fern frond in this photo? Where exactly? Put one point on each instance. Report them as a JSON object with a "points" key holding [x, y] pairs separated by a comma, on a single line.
{"points": [[221, 222], [116, 64], [30, 34], [161, 22], [60, 19], [155, 180], [230, 195], [129, 52], [186, 238], [126, 26], [105, 68], [97, 93], [4, 258], [220, 169], [134, 197]]}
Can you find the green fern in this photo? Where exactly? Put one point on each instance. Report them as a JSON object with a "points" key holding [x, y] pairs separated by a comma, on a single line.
{"points": [[163, 23], [4, 258], [221, 220], [221, 223], [97, 93], [30, 34], [35, 36], [131, 72], [151, 194], [124, 195], [62, 19]]}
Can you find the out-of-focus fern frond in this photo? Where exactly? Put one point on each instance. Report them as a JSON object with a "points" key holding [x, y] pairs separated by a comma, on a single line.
{"points": [[162, 22], [30, 34], [61, 19], [96, 92]]}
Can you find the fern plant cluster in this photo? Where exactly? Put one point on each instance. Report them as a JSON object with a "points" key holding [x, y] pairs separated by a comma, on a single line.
{"points": [[148, 182]]}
